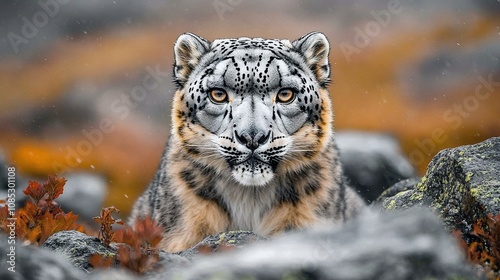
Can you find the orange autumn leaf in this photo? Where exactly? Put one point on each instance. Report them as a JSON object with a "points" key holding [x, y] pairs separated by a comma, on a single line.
{"points": [[52, 224], [54, 186], [28, 215], [33, 235]]}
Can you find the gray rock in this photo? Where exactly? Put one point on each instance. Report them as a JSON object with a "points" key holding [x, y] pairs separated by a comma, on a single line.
{"points": [[83, 194], [403, 245], [77, 247], [33, 263], [462, 184], [372, 162]]}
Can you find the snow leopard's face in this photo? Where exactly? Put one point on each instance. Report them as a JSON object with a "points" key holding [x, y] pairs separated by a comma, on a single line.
{"points": [[251, 107]]}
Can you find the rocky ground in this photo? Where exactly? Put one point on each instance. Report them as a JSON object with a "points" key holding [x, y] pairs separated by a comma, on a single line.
{"points": [[406, 245]]}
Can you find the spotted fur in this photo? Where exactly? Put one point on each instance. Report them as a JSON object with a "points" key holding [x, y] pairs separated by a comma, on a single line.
{"points": [[239, 157]]}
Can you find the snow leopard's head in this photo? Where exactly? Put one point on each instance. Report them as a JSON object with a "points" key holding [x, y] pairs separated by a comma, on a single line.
{"points": [[250, 107]]}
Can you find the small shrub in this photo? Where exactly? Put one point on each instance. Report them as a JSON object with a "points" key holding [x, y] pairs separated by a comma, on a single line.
{"points": [[106, 221], [137, 247], [41, 216]]}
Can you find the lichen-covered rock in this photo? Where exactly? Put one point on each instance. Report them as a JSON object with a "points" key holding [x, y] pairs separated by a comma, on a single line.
{"points": [[78, 247], [462, 184], [376, 245], [399, 187]]}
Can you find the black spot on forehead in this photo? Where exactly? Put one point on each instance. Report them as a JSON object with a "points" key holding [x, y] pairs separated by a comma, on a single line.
{"points": [[227, 45], [221, 49], [250, 70]]}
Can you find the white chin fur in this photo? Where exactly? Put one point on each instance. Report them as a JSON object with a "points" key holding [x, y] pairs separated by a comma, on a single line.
{"points": [[248, 178]]}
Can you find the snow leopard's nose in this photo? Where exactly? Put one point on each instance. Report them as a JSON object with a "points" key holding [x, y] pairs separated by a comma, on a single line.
{"points": [[252, 138]]}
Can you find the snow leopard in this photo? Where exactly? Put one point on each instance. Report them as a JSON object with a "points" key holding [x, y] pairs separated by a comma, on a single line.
{"points": [[251, 144]]}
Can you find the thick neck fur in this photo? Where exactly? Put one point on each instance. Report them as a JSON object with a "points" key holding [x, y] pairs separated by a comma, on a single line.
{"points": [[246, 205]]}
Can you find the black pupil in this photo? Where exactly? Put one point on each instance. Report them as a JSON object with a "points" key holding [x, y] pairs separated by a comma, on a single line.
{"points": [[218, 95]]}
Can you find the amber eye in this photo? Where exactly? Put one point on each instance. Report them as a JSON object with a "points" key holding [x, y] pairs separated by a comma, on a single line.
{"points": [[218, 95], [285, 95]]}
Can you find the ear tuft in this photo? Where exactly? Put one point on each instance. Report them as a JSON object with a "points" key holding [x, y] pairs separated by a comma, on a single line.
{"points": [[315, 49], [188, 50]]}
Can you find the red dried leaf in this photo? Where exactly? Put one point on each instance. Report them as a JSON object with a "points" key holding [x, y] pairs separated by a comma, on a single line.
{"points": [[99, 261], [128, 236], [484, 244], [226, 248], [146, 234], [148, 231], [139, 261], [139, 254], [205, 249], [35, 190]]}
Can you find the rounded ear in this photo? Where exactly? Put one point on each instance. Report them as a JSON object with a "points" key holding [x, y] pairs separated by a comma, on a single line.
{"points": [[188, 50], [315, 49]]}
